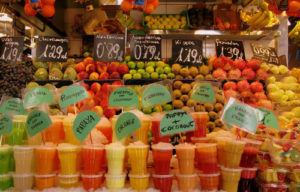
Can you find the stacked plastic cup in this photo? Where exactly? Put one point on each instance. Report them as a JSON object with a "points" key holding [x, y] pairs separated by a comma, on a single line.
{"points": [[5, 178], [115, 156], [138, 156], [186, 177], [156, 119], [162, 155]]}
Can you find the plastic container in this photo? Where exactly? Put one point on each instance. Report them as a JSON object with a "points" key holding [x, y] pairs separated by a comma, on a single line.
{"points": [[68, 157], [45, 181], [55, 133], [200, 119], [163, 182], [155, 128], [273, 187], [24, 159], [250, 152], [115, 154], [138, 156], [269, 174], [186, 183], [6, 181], [93, 158], [45, 159], [139, 182], [115, 182], [93, 182], [248, 173], [264, 158], [233, 150], [162, 155], [23, 181], [5, 152], [68, 181], [186, 155], [207, 157], [209, 182], [230, 179]]}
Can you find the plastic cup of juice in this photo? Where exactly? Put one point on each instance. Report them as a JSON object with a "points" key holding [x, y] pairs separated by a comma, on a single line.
{"points": [[234, 150], [24, 159], [186, 183], [209, 182], [68, 181], [115, 182], [247, 181], [250, 152], [16, 136], [186, 154], [163, 182], [162, 155], [104, 125], [138, 155], [45, 158], [55, 133], [35, 140], [68, 129], [6, 181], [230, 179], [68, 157], [221, 141], [5, 152], [200, 140], [23, 182], [45, 181], [156, 129], [92, 181], [139, 182], [207, 157], [123, 141], [200, 119], [93, 159], [141, 134], [115, 154]]}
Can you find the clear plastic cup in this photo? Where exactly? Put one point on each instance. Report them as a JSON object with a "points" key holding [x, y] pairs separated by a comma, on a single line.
{"points": [[163, 182], [5, 152], [162, 155], [200, 140], [250, 152], [186, 154], [6, 181], [68, 157], [248, 173], [16, 136], [68, 129], [45, 158], [55, 133], [23, 182], [115, 154], [24, 159], [68, 181], [186, 183], [200, 119], [93, 158], [230, 179], [115, 182], [156, 119], [207, 157], [234, 150], [138, 156], [209, 182], [93, 182], [45, 181], [139, 182]]}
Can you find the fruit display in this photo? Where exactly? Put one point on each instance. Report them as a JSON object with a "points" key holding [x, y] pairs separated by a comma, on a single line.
{"points": [[272, 174], [173, 21], [295, 33], [226, 17], [201, 17], [147, 6], [193, 72]]}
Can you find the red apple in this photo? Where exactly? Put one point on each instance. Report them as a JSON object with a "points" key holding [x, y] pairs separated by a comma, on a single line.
{"points": [[94, 76], [234, 74], [82, 75], [243, 85], [248, 74], [112, 67], [229, 85], [260, 95], [253, 64], [114, 75], [101, 67], [90, 68], [117, 83], [123, 69], [96, 87], [240, 64], [80, 67], [256, 86], [219, 74], [218, 63], [261, 74], [104, 87], [104, 76], [230, 93]]}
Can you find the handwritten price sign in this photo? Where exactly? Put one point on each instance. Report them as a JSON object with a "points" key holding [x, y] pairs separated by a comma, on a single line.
{"points": [[11, 49], [145, 48], [232, 49], [265, 54]]}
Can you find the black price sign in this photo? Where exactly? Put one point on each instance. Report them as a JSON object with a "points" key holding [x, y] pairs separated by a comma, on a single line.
{"points": [[11, 49], [145, 48], [265, 54], [232, 49], [109, 48], [187, 52], [52, 49]]}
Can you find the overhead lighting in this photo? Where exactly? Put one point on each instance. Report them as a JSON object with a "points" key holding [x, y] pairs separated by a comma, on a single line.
{"points": [[207, 32], [5, 18], [259, 32], [27, 27], [2, 35], [36, 36]]}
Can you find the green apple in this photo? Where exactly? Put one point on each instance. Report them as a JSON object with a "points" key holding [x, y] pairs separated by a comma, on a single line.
{"points": [[167, 107], [154, 75], [137, 76], [171, 75], [146, 75], [127, 76], [159, 70], [155, 109], [131, 64], [167, 70], [163, 76], [141, 71], [140, 65], [132, 71], [127, 58], [151, 64], [160, 64], [147, 110], [149, 69]]}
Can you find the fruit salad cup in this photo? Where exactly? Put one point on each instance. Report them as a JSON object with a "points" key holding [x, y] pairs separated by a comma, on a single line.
{"points": [[250, 152], [273, 187], [285, 151], [269, 174]]}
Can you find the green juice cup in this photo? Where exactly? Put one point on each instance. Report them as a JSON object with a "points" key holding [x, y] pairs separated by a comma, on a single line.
{"points": [[6, 182], [18, 133], [5, 152]]}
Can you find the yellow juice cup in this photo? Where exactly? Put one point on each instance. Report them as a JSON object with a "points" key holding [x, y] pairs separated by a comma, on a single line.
{"points": [[186, 154], [138, 156], [230, 179], [69, 133], [141, 134], [115, 154], [186, 183], [115, 182], [221, 142], [68, 157], [125, 140], [139, 182], [68, 181], [234, 150], [24, 159]]}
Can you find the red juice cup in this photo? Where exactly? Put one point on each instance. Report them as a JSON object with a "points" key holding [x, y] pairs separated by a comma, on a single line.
{"points": [[209, 182], [207, 157], [93, 158], [199, 140], [162, 154], [250, 152], [200, 119], [156, 129], [92, 181], [163, 182]]}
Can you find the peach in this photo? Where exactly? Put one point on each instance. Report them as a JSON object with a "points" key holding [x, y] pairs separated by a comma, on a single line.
{"points": [[104, 103], [104, 76], [104, 87], [117, 83], [88, 60], [82, 75], [123, 69], [246, 95], [218, 63], [91, 94], [260, 95], [112, 67], [96, 87], [114, 75], [227, 66], [101, 67], [94, 76], [90, 68], [80, 67]]}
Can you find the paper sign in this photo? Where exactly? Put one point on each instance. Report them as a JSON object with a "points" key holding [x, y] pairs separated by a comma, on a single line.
{"points": [[71, 95], [11, 49], [6, 124], [13, 106], [229, 48], [269, 119], [265, 54], [154, 95], [123, 97], [84, 124], [126, 124], [176, 121], [36, 122], [241, 115], [203, 92], [37, 96]]}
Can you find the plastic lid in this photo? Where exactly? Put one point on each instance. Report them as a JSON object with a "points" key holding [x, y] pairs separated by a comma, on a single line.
{"points": [[5, 147], [45, 176], [200, 145], [192, 175], [209, 175], [162, 176], [229, 169], [185, 146], [137, 144], [23, 147], [163, 146], [92, 176], [68, 176], [47, 147], [249, 169], [116, 145], [63, 146], [139, 176], [22, 175], [5, 175], [94, 146], [115, 176]]}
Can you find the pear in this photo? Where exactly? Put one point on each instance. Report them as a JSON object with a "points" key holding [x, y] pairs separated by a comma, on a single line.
{"points": [[275, 96], [283, 69], [289, 79], [279, 84], [274, 70], [296, 111], [271, 79], [272, 87]]}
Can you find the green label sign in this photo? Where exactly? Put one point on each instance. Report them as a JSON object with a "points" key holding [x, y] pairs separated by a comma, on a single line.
{"points": [[123, 97], [269, 119], [37, 96], [6, 124], [126, 124], [84, 124], [13, 106], [155, 95], [36, 122], [203, 92], [176, 121], [242, 116], [71, 95]]}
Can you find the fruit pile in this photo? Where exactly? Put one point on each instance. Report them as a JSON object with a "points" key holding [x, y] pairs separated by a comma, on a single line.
{"points": [[166, 21], [200, 17], [202, 72], [226, 68], [295, 33]]}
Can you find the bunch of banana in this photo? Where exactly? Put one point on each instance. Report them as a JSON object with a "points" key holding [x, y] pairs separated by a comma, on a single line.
{"points": [[295, 33]]}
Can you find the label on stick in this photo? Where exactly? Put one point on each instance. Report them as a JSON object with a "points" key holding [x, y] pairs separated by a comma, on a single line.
{"points": [[123, 97], [36, 122], [126, 124], [13, 106], [155, 95], [203, 92], [37, 96], [6, 124], [71, 95]]}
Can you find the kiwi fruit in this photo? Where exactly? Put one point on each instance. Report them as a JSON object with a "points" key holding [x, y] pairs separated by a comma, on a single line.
{"points": [[191, 103], [218, 123], [209, 107], [185, 72], [219, 98], [185, 88], [184, 98], [197, 108], [210, 125], [218, 107], [177, 84], [199, 77], [193, 71], [177, 93], [178, 104], [178, 77], [186, 109], [212, 115]]}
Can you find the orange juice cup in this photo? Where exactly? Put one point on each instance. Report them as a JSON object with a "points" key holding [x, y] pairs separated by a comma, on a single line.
{"points": [[55, 133], [209, 182], [93, 182], [155, 128], [221, 142], [104, 125], [186, 155], [207, 157], [45, 157], [68, 157], [44, 181], [139, 182], [163, 182], [93, 158], [138, 155], [200, 119], [162, 155], [234, 150], [230, 179], [186, 183], [200, 140], [68, 181]]}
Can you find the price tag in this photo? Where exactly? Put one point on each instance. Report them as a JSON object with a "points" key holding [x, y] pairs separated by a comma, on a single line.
{"points": [[36, 122], [71, 95], [155, 95], [52, 49], [123, 97], [145, 48], [13, 106], [264, 54], [109, 48], [203, 92], [11, 49], [126, 124], [176, 121], [269, 119], [84, 124], [187, 52], [37, 96], [232, 49], [6, 124]]}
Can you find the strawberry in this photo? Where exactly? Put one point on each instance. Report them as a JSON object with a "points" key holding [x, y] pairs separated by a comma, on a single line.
{"points": [[281, 176], [286, 147]]}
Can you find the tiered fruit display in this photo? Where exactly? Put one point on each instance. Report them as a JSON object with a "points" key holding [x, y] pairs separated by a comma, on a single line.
{"points": [[166, 21], [200, 17], [295, 33], [193, 72]]}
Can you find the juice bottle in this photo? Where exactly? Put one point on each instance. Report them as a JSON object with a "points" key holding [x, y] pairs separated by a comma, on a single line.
{"points": [[123, 141], [92, 181], [156, 129], [139, 182], [186, 183], [6, 182], [209, 182], [44, 181], [15, 137], [141, 134], [93, 158], [162, 154], [163, 182], [186, 154], [23, 182], [138, 156]]}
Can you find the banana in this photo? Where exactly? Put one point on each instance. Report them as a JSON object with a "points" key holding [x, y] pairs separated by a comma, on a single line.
{"points": [[260, 20], [254, 18], [296, 29], [265, 21]]}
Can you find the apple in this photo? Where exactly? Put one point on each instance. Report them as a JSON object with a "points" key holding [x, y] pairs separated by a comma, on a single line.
{"points": [[80, 67], [239, 64], [96, 87], [94, 76], [104, 103], [82, 75], [90, 68], [88, 60], [227, 66], [253, 64], [123, 69], [234, 74], [230, 93], [101, 67], [256, 86], [114, 75], [117, 83], [229, 85], [104, 76], [112, 67], [219, 74], [248, 73], [243, 85], [261, 74]]}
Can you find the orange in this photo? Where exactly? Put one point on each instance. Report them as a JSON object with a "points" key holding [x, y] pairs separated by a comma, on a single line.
{"points": [[126, 6], [28, 10], [149, 8], [48, 10]]}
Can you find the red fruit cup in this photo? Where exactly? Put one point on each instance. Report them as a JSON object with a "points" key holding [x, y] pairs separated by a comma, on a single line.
{"points": [[207, 157], [250, 152], [273, 187], [248, 173], [200, 119], [162, 154], [209, 182], [92, 181], [163, 182], [156, 119], [264, 158]]}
